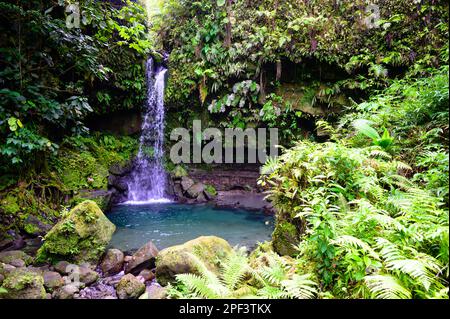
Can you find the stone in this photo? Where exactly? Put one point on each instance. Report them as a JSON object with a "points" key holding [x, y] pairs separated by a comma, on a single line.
{"points": [[178, 190], [87, 275], [285, 238], [52, 280], [23, 284], [147, 275], [18, 263], [35, 227], [144, 258], [195, 190], [66, 292], [6, 268], [101, 197], [61, 267], [129, 287], [8, 256], [179, 259], [113, 262], [179, 172], [81, 236], [118, 183], [6, 243], [186, 183], [121, 170], [210, 193], [156, 292], [201, 198], [127, 259], [32, 245]]}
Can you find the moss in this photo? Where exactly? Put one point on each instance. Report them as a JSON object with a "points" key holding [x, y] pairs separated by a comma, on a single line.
{"points": [[10, 205], [211, 190], [129, 287], [23, 284], [80, 237], [31, 229], [284, 238], [179, 171], [86, 166]]}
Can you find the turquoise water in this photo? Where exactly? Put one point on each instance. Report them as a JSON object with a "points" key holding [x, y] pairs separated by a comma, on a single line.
{"points": [[172, 224]]}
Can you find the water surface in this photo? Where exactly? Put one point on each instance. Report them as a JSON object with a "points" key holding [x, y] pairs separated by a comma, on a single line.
{"points": [[172, 224]]}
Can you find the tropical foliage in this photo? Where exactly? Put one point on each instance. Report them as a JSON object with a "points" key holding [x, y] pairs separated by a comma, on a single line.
{"points": [[367, 219], [272, 278]]}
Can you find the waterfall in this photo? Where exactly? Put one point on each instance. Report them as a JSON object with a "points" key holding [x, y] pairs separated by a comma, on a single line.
{"points": [[148, 179]]}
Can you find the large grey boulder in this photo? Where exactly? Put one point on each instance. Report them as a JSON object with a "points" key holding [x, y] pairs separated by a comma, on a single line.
{"points": [[144, 258]]}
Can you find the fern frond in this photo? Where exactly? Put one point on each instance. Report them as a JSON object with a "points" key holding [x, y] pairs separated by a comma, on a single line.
{"points": [[212, 280], [350, 241], [235, 267], [270, 292], [386, 287], [415, 269], [300, 287], [197, 285]]}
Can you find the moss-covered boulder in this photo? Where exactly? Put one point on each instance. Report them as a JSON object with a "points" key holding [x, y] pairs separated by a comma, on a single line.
{"points": [[81, 236], [285, 238], [178, 259], [129, 287], [23, 284]]}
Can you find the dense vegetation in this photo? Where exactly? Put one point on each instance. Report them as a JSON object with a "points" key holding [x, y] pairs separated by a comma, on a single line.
{"points": [[361, 188]]}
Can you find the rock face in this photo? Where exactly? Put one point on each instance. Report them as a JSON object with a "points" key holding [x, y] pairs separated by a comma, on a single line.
{"points": [[112, 262], [118, 181], [79, 237], [129, 287], [144, 258], [23, 284], [178, 259]]}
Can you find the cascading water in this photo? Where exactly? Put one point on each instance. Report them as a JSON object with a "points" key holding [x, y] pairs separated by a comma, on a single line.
{"points": [[148, 179]]}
